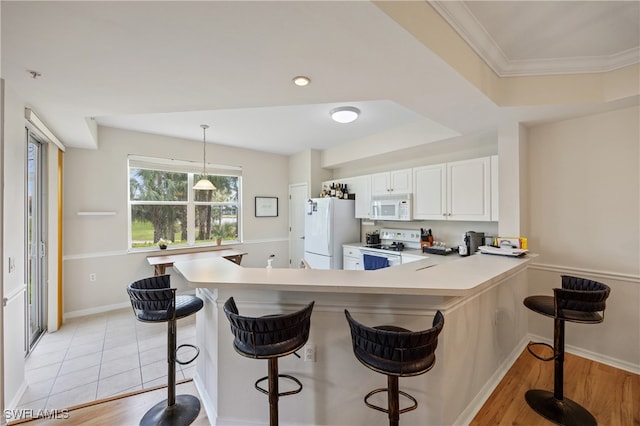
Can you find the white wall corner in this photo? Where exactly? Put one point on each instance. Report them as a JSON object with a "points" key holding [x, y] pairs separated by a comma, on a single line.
{"points": [[512, 172]]}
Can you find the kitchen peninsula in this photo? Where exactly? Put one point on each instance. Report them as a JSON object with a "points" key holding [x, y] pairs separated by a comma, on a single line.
{"points": [[485, 329]]}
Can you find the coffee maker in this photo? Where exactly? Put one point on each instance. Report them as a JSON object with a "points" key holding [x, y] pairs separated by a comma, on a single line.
{"points": [[472, 240]]}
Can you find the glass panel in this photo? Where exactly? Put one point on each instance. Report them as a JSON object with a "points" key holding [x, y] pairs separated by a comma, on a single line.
{"points": [[226, 189], [155, 185], [149, 223], [216, 221]]}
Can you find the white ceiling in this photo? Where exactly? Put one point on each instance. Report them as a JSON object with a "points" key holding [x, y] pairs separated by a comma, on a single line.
{"points": [[166, 67]]}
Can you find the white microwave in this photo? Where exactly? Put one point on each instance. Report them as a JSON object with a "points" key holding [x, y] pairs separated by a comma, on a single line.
{"points": [[391, 207]]}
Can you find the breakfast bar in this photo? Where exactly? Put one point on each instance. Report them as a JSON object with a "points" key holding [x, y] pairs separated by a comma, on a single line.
{"points": [[484, 331]]}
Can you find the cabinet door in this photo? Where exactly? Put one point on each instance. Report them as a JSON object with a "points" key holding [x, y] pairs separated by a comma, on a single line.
{"points": [[430, 192], [380, 183], [361, 186], [469, 190], [401, 181], [495, 205]]}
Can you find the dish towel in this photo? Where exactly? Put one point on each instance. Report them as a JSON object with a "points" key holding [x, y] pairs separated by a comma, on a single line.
{"points": [[374, 262]]}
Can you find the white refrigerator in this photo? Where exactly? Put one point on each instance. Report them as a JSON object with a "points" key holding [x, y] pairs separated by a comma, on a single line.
{"points": [[329, 223]]}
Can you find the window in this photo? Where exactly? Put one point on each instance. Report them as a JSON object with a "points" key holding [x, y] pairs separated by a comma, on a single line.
{"points": [[163, 205]]}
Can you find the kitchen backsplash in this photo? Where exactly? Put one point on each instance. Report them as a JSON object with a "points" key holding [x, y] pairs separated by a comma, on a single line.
{"points": [[448, 231]]}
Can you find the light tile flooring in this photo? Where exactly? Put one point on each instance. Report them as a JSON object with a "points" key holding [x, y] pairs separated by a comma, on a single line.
{"points": [[98, 356]]}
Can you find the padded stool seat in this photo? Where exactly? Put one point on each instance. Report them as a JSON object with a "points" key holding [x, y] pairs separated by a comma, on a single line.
{"points": [[581, 301], [153, 300], [270, 337], [395, 352]]}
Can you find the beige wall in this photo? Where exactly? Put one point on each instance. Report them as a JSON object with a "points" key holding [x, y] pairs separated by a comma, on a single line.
{"points": [[585, 221], [97, 180], [584, 193]]}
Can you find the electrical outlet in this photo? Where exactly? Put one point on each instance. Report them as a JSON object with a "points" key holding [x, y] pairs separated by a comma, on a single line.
{"points": [[309, 353], [93, 277]]}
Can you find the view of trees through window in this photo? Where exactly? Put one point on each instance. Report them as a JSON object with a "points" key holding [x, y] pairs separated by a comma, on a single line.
{"points": [[164, 206]]}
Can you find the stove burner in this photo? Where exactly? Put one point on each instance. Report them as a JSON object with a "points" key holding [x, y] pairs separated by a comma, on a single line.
{"points": [[393, 246]]}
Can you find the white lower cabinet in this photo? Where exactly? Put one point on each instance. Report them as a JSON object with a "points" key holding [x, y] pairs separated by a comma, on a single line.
{"points": [[352, 259], [460, 190]]}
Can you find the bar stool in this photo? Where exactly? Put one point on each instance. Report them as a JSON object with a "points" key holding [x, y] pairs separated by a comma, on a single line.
{"points": [[395, 352], [579, 300], [153, 300], [270, 337]]}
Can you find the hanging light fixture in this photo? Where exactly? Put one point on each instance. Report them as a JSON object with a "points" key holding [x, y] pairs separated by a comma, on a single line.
{"points": [[204, 184]]}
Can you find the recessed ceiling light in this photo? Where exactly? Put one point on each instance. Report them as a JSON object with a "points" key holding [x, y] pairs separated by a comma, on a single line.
{"points": [[345, 114], [301, 80]]}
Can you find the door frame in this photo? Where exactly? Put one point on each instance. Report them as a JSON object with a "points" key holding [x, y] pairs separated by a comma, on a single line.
{"points": [[296, 210]]}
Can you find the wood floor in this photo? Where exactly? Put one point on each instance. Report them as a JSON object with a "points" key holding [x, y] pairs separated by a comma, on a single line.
{"points": [[123, 410], [610, 394]]}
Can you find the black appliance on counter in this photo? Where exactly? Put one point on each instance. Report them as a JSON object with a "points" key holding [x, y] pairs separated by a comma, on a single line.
{"points": [[473, 240], [373, 239]]}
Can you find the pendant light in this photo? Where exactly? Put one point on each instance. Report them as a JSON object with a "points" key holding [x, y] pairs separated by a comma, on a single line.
{"points": [[204, 184]]}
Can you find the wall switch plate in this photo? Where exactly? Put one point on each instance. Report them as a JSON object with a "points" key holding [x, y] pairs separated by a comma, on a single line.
{"points": [[93, 277]]}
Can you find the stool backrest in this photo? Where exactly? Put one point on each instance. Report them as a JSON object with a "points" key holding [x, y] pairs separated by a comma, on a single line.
{"points": [[269, 335], [581, 294], [152, 299], [398, 346]]}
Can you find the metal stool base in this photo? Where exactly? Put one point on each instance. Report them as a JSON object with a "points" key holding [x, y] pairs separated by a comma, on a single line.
{"points": [[182, 413], [561, 412]]}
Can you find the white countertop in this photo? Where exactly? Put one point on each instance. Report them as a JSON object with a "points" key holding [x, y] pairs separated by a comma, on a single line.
{"points": [[454, 277]]}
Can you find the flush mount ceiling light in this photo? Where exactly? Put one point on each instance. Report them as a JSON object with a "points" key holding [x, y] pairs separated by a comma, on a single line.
{"points": [[301, 80], [204, 184], [345, 114]]}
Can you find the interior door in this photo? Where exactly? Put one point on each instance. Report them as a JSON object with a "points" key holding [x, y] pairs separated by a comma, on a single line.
{"points": [[298, 196], [36, 242]]}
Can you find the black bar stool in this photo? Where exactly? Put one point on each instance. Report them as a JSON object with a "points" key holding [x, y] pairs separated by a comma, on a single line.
{"points": [[579, 300], [153, 300], [270, 337], [395, 352]]}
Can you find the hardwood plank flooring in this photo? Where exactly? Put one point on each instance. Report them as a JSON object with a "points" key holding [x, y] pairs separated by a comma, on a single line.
{"points": [[610, 394], [122, 410]]}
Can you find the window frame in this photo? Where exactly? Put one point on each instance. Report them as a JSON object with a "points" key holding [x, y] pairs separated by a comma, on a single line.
{"points": [[191, 169]]}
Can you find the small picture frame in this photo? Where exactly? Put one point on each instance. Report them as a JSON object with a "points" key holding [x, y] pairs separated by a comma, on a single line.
{"points": [[266, 206]]}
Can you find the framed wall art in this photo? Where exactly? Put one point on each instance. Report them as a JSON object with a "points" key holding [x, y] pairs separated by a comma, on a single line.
{"points": [[266, 206]]}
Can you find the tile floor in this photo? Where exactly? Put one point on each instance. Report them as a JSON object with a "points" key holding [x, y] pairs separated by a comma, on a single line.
{"points": [[102, 355]]}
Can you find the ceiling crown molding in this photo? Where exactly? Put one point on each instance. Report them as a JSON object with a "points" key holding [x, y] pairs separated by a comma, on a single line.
{"points": [[464, 22]]}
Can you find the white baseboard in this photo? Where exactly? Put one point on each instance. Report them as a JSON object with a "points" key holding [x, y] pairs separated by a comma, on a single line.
{"points": [[205, 400], [96, 310], [16, 399], [593, 356], [481, 397]]}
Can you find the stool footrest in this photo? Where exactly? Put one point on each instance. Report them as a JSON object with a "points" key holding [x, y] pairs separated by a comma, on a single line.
{"points": [[192, 359], [541, 358], [386, 410], [284, 376]]}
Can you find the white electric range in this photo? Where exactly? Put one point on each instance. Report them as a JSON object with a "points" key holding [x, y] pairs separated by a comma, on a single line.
{"points": [[396, 245]]}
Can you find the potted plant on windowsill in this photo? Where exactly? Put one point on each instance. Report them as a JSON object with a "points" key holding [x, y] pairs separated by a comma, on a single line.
{"points": [[216, 233], [162, 243]]}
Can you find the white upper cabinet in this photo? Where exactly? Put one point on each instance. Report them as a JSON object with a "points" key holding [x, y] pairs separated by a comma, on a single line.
{"points": [[361, 186], [469, 190], [459, 190], [389, 183], [430, 192], [494, 189]]}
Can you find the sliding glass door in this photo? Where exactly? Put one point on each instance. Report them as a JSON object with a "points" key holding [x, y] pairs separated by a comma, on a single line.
{"points": [[36, 241]]}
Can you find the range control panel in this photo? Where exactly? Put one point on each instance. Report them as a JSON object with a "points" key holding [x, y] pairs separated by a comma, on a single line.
{"points": [[401, 235]]}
